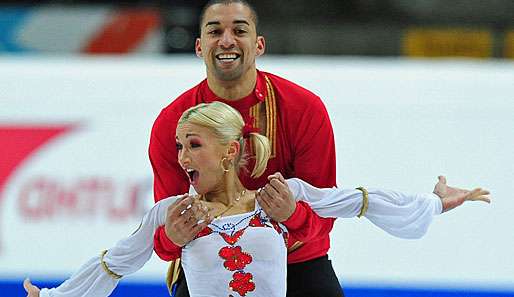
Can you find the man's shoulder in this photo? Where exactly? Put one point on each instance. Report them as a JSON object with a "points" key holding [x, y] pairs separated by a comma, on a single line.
{"points": [[291, 89], [178, 105], [292, 94]]}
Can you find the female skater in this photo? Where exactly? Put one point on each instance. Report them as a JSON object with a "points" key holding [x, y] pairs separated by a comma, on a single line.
{"points": [[239, 250]]}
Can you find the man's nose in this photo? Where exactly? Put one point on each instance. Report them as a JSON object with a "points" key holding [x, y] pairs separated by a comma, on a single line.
{"points": [[227, 40]]}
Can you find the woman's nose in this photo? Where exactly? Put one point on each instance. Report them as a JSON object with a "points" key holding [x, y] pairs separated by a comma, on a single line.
{"points": [[183, 158]]}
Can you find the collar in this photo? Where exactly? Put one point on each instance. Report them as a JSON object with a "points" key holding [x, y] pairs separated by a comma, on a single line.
{"points": [[258, 94]]}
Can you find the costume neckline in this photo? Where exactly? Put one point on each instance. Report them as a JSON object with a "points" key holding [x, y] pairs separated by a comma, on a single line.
{"points": [[256, 209]]}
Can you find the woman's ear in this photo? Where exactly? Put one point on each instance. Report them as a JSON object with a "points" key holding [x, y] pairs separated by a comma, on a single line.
{"points": [[234, 147]]}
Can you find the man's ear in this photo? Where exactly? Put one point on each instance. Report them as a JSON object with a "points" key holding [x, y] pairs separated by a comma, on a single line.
{"points": [[198, 48], [261, 46]]}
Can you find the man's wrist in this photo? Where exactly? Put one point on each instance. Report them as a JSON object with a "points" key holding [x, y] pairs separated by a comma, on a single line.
{"points": [[296, 219], [167, 242]]}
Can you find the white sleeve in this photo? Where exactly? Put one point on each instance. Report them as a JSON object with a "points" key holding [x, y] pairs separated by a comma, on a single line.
{"points": [[401, 215], [126, 257]]}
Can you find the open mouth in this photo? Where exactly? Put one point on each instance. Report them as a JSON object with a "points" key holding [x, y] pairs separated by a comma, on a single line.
{"points": [[193, 176], [227, 57]]}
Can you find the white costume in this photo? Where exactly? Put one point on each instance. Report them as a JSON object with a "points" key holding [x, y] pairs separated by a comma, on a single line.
{"points": [[246, 254]]}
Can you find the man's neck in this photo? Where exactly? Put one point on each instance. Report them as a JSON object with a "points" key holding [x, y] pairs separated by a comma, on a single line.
{"points": [[236, 89]]}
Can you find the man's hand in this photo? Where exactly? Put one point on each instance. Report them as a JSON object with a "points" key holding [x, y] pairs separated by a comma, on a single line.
{"points": [[276, 199], [32, 291], [453, 197], [185, 218]]}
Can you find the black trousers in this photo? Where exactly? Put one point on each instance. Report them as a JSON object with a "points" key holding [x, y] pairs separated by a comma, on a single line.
{"points": [[313, 278]]}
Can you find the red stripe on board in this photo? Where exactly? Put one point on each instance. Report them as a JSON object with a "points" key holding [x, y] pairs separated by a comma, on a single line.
{"points": [[124, 32], [18, 143]]}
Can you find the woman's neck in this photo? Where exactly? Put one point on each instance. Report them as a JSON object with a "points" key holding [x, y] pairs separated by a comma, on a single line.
{"points": [[232, 190]]}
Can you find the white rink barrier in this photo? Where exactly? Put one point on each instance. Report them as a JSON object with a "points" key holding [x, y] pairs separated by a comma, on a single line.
{"points": [[75, 175]]}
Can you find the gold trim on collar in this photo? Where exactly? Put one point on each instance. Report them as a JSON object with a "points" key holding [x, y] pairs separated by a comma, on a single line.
{"points": [[270, 107], [271, 117]]}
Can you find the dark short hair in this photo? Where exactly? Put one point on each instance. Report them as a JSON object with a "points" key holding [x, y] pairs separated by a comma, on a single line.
{"points": [[253, 13]]}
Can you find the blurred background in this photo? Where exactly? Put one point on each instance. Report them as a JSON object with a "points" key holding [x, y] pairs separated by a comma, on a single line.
{"points": [[417, 28], [414, 89]]}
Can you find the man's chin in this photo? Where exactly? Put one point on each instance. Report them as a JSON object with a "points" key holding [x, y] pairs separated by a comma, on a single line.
{"points": [[228, 75]]}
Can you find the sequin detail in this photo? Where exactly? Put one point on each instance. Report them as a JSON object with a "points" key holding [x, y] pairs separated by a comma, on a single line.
{"points": [[233, 239], [242, 283], [235, 258]]}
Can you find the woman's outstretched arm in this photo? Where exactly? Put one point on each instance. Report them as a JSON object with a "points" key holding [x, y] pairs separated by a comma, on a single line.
{"points": [[100, 275], [400, 214]]}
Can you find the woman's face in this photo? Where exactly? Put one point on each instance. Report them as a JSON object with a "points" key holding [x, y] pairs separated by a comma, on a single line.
{"points": [[200, 155]]}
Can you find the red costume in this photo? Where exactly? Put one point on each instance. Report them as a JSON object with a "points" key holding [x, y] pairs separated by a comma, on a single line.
{"points": [[302, 141]]}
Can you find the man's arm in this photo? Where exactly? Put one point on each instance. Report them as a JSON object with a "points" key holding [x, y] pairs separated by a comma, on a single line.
{"points": [[314, 161], [278, 202]]}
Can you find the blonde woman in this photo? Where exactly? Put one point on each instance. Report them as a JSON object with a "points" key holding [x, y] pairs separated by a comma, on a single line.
{"points": [[238, 249]]}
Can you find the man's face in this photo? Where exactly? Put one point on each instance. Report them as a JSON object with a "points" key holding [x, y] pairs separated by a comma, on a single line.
{"points": [[228, 42]]}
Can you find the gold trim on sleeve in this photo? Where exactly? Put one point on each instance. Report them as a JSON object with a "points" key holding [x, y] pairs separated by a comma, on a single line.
{"points": [[365, 201], [106, 269], [295, 246]]}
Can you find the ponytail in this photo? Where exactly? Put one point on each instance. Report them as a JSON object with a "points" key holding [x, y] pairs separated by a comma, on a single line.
{"points": [[261, 147]]}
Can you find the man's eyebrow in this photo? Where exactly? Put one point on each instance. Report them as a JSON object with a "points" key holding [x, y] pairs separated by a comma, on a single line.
{"points": [[235, 22], [212, 23], [241, 22]]}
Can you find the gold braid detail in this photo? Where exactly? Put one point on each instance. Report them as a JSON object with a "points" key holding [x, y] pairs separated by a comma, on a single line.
{"points": [[365, 201], [173, 273], [106, 269], [295, 246], [271, 117]]}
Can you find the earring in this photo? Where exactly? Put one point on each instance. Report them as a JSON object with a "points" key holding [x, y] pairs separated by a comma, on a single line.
{"points": [[222, 166]]}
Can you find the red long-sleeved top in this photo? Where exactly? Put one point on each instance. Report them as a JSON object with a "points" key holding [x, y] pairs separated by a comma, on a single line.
{"points": [[302, 140]]}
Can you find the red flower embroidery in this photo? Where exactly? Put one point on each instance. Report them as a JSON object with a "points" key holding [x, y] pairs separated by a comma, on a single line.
{"points": [[234, 238], [205, 231], [256, 221], [235, 258], [242, 283]]}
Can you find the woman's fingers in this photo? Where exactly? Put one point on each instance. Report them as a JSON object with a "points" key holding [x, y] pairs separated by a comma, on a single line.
{"points": [[27, 285], [478, 194], [32, 290]]}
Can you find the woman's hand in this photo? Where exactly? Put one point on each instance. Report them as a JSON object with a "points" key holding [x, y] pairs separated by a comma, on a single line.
{"points": [[32, 291], [453, 197]]}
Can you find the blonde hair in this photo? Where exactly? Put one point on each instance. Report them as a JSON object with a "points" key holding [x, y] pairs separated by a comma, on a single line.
{"points": [[227, 124]]}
